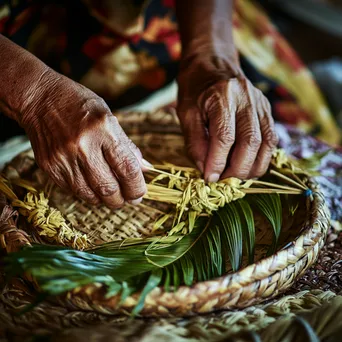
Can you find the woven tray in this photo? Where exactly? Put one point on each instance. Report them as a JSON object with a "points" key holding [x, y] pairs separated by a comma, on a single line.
{"points": [[159, 138]]}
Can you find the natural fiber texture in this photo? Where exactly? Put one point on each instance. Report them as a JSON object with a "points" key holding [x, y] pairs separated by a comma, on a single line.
{"points": [[63, 323], [60, 322], [302, 237], [49, 221]]}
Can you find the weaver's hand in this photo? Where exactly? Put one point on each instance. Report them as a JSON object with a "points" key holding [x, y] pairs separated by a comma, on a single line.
{"points": [[80, 144], [227, 124]]}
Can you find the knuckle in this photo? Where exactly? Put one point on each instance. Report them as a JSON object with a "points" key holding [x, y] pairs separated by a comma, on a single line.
{"points": [[269, 134], [242, 174], [87, 195], [224, 135], [96, 105], [220, 162], [271, 138], [259, 93], [82, 144], [253, 139], [137, 193], [107, 189], [212, 102], [102, 103], [129, 167], [113, 119]]}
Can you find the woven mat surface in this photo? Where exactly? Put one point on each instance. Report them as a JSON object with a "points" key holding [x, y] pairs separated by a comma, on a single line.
{"points": [[317, 291]]}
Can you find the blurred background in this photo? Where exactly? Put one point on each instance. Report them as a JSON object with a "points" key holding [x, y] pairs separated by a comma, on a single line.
{"points": [[314, 29]]}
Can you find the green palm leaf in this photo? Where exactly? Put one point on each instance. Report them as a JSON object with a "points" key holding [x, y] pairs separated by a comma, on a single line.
{"points": [[152, 282], [248, 228], [230, 223], [142, 264], [270, 206]]}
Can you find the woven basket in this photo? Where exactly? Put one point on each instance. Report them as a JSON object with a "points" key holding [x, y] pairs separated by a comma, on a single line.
{"points": [[158, 136]]}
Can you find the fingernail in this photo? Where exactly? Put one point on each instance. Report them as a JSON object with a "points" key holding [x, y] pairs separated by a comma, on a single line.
{"points": [[146, 163], [200, 166], [213, 178], [136, 201]]}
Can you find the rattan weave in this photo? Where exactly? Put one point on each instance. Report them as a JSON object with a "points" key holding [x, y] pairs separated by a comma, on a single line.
{"points": [[159, 138]]}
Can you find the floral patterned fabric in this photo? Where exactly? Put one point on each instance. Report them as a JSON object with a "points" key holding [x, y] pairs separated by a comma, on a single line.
{"points": [[300, 145], [125, 50]]}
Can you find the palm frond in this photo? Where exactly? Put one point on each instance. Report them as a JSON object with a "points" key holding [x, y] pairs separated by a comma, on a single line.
{"points": [[232, 231], [270, 206], [152, 282], [248, 228], [142, 264], [213, 231]]}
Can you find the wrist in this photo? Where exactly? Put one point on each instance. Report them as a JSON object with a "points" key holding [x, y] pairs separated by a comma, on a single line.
{"points": [[40, 93], [218, 54], [213, 60], [200, 71], [21, 78]]}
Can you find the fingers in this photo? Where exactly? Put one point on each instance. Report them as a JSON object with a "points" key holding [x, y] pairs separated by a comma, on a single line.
{"points": [[81, 188], [241, 131], [196, 136], [101, 179], [68, 176], [144, 164], [124, 163], [269, 140], [248, 142], [110, 167], [221, 114]]}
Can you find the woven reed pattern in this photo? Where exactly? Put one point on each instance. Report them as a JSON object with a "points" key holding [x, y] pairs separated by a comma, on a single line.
{"points": [[103, 225], [302, 237], [253, 284], [63, 322]]}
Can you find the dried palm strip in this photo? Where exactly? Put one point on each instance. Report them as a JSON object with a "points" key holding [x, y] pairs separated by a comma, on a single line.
{"points": [[49, 221], [178, 186], [192, 196]]}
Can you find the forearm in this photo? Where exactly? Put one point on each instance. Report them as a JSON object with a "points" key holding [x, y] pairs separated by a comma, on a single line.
{"points": [[20, 75], [205, 28]]}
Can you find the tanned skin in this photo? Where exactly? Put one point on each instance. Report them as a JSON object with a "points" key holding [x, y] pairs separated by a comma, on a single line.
{"points": [[74, 136], [227, 122], [224, 117]]}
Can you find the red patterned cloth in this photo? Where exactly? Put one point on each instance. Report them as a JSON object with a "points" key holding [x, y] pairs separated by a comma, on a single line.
{"points": [[126, 52]]}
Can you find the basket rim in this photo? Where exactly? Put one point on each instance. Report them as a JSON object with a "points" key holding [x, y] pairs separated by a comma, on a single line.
{"points": [[309, 241], [281, 268], [257, 275]]}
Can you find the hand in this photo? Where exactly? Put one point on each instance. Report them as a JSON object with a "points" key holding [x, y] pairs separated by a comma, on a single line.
{"points": [[80, 144], [227, 124]]}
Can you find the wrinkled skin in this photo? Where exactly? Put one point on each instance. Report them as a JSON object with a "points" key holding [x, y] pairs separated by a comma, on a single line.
{"points": [[80, 144], [227, 123]]}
